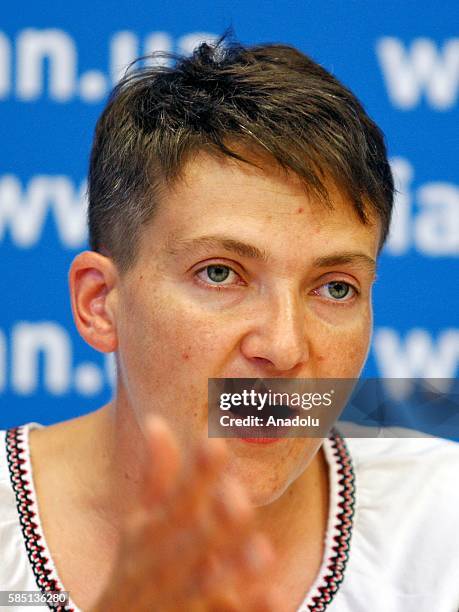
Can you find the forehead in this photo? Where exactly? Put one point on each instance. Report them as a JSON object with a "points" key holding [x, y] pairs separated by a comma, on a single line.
{"points": [[262, 203]]}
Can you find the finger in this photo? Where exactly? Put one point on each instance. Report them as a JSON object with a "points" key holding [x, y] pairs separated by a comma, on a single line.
{"points": [[165, 540], [157, 545], [236, 565], [240, 568], [249, 575], [265, 601], [226, 523], [187, 507], [195, 492], [184, 552], [164, 462], [255, 556], [226, 600], [184, 516]]}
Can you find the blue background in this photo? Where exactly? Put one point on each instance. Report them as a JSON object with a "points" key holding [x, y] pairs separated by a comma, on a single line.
{"points": [[376, 48]]}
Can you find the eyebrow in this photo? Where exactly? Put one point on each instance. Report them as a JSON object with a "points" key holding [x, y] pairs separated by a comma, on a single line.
{"points": [[339, 259], [178, 246]]}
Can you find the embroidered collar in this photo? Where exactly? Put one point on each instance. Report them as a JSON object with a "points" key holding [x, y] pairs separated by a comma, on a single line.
{"points": [[17, 453], [339, 528], [337, 544]]}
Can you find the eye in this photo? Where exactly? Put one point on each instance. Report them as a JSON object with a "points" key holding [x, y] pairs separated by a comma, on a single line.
{"points": [[338, 291], [217, 274]]}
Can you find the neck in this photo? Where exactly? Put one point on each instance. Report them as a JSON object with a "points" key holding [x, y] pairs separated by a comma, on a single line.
{"points": [[115, 454], [301, 512]]}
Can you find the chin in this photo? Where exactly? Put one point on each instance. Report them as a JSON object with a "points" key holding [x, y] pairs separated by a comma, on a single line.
{"points": [[260, 496], [263, 485], [266, 473]]}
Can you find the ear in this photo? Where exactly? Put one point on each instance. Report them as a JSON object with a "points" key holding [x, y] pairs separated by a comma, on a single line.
{"points": [[93, 280]]}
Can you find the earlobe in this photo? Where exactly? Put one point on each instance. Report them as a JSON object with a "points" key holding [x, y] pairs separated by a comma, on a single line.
{"points": [[93, 288]]}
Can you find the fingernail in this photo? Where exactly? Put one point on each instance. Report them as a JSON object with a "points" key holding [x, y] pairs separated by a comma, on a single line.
{"points": [[235, 503], [258, 553], [154, 423]]}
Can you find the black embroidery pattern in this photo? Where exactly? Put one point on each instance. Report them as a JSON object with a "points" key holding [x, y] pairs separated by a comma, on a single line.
{"points": [[337, 564], [32, 537], [35, 549]]}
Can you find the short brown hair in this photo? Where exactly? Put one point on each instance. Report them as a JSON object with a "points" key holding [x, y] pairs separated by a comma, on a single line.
{"points": [[270, 98]]}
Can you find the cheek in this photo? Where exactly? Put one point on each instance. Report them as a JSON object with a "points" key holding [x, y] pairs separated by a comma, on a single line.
{"points": [[341, 353], [157, 368], [169, 347]]}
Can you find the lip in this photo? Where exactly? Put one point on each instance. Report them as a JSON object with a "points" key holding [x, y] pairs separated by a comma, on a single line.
{"points": [[260, 440]]}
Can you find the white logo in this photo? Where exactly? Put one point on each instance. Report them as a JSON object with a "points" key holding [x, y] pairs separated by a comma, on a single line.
{"points": [[426, 218], [423, 69], [49, 343], [417, 355], [34, 48], [25, 211]]}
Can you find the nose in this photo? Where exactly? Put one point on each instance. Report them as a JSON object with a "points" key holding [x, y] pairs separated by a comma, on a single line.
{"points": [[277, 339]]}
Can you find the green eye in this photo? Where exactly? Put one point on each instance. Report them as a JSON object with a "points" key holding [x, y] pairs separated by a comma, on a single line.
{"points": [[338, 289], [218, 276], [217, 273]]}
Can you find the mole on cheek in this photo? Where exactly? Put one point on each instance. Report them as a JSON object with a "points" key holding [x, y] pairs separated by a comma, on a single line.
{"points": [[300, 210], [185, 356]]}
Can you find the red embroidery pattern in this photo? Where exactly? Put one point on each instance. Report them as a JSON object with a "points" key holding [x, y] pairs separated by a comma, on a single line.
{"points": [[35, 550], [38, 560], [337, 564]]}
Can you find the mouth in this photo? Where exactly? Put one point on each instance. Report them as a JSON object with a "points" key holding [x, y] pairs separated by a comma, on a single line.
{"points": [[268, 427], [281, 411]]}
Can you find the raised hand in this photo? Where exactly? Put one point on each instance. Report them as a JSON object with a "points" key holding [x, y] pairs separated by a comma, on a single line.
{"points": [[191, 545]]}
